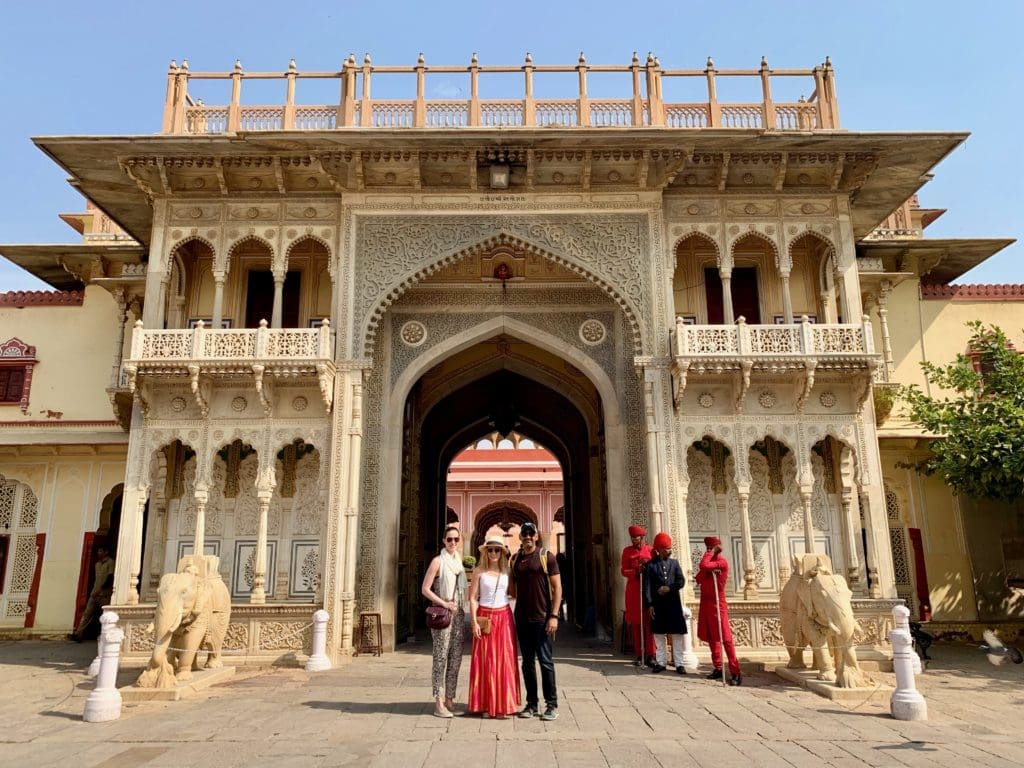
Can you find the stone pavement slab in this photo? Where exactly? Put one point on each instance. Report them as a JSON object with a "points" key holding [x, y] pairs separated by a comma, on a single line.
{"points": [[376, 711]]}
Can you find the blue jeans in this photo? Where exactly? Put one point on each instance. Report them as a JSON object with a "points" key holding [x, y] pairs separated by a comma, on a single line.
{"points": [[536, 645]]}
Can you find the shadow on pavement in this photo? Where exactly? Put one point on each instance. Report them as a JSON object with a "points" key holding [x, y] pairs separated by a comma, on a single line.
{"points": [[371, 707]]}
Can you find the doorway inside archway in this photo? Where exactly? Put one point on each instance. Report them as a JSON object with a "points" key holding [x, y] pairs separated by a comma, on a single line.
{"points": [[501, 391]]}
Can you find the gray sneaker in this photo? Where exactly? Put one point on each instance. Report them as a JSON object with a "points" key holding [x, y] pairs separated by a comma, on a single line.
{"points": [[551, 713], [528, 712]]}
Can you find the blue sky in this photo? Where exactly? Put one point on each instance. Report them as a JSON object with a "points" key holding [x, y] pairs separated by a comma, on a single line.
{"points": [[99, 68]]}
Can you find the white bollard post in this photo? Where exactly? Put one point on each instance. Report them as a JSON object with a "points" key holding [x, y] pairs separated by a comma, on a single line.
{"points": [[318, 661], [690, 662], [906, 703], [104, 703], [902, 621]]}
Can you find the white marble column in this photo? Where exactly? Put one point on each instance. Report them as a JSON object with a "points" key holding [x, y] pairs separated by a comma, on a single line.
{"points": [[871, 556], [728, 315], [805, 503], [653, 470], [158, 541], [218, 299], [264, 495], [275, 318], [883, 321], [351, 517], [157, 269], [750, 591], [805, 485], [787, 298], [828, 307], [202, 496], [122, 313], [134, 549], [334, 531], [681, 530], [851, 518], [135, 486], [846, 269]]}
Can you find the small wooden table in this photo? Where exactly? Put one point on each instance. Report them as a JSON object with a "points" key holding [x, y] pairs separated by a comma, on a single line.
{"points": [[370, 620]]}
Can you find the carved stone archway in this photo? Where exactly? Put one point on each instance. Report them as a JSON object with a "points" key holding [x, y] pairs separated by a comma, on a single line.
{"points": [[395, 253], [505, 514]]}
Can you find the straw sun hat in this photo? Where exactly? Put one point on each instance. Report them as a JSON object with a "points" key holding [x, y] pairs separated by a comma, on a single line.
{"points": [[492, 541]]}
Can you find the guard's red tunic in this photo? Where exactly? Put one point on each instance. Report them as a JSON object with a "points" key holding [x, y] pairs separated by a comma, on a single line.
{"points": [[707, 624], [632, 557]]}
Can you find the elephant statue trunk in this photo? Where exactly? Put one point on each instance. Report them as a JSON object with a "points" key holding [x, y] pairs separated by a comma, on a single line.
{"points": [[159, 673]]}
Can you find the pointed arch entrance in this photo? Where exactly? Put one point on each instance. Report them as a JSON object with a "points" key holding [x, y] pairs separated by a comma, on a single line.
{"points": [[505, 514], [501, 384]]}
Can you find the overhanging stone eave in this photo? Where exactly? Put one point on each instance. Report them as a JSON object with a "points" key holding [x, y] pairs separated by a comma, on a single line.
{"points": [[47, 261], [93, 162], [956, 255]]}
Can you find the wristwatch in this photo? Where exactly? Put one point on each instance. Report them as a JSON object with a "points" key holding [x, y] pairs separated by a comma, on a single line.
{"points": [[552, 615]]}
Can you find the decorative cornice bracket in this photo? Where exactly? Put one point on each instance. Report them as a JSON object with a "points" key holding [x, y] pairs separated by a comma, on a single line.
{"points": [[325, 376], [680, 369], [200, 390], [264, 389], [741, 383], [723, 172], [808, 384]]}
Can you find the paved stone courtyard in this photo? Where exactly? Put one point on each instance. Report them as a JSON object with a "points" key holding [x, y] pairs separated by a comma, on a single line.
{"points": [[376, 712]]}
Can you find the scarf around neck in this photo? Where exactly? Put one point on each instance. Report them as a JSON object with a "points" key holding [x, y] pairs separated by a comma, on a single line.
{"points": [[451, 577]]}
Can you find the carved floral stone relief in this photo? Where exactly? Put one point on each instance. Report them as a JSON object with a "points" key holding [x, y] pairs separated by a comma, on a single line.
{"points": [[393, 252]]}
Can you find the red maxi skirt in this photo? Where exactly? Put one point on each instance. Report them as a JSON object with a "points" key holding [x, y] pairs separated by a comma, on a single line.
{"points": [[493, 671]]}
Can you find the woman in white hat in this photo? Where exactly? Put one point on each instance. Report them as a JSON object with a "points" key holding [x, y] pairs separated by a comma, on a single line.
{"points": [[493, 675]]}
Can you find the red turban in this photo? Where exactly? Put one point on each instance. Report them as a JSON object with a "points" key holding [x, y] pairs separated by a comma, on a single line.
{"points": [[712, 541], [637, 530], [663, 541]]}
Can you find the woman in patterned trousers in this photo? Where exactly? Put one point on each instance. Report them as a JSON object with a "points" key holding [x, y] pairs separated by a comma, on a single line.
{"points": [[444, 584]]}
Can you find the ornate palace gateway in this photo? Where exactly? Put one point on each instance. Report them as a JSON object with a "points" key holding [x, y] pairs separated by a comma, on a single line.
{"points": [[327, 303]]}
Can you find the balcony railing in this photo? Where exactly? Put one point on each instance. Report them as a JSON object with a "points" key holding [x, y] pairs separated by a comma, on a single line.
{"points": [[205, 353], [645, 106], [202, 344], [798, 349], [803, 339]]}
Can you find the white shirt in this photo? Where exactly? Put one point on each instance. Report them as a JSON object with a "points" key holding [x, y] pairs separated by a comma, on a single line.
{"points": [[493, 590]]}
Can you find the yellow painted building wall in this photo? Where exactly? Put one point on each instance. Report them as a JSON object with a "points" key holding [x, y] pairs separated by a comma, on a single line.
{"points": [[928, 504], [71, 482], [961, 537], [75, 348], [71, 466], [936, 330]]}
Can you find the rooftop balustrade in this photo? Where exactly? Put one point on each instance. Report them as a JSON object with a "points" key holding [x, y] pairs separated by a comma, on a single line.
{"points": [[643, 107]]}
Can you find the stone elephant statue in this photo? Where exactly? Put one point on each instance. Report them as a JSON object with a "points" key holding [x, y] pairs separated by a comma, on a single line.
{"points": [[192, 611], [792, 619], [816, 609]]}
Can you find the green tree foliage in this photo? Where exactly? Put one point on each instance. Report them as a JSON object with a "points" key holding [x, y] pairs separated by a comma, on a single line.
{"points": [[982, 423]]}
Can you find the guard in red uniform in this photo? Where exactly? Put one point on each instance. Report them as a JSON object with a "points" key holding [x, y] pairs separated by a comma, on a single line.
{"points": [[634, 558], [714, 571]]}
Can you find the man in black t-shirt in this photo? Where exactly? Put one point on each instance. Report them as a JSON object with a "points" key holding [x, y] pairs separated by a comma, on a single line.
{"points": [[537, 589]]}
